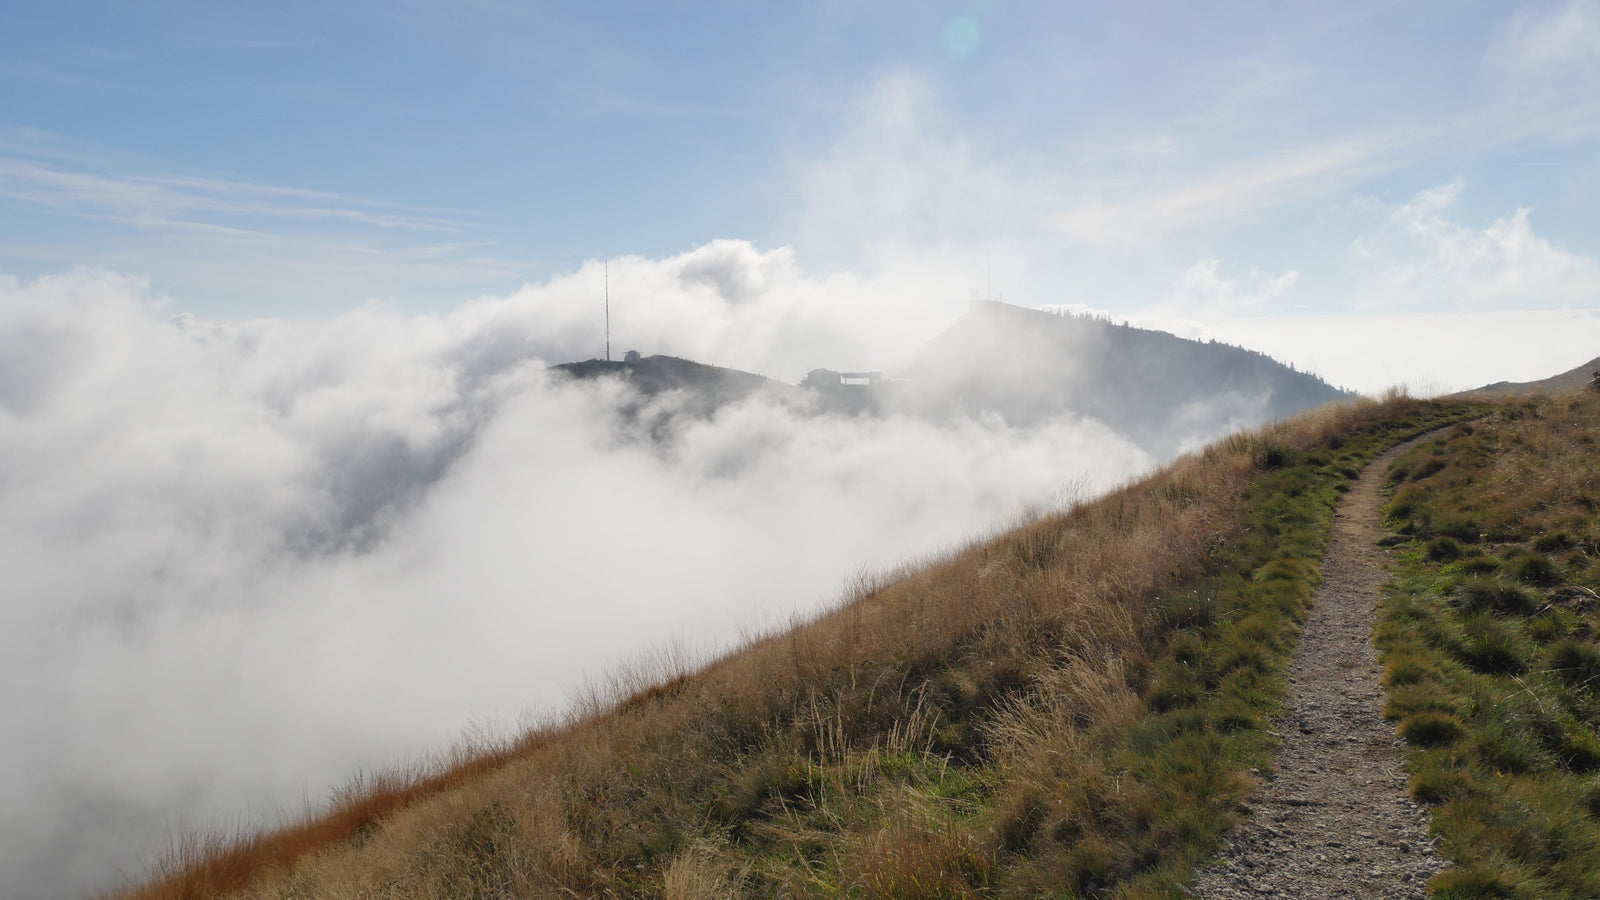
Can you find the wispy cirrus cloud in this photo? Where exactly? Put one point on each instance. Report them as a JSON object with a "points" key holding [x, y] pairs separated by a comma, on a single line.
{"points": [[217, 233], [1542, 67], [1269, 180], [178, 200], [244, 43], [1544, 39]]}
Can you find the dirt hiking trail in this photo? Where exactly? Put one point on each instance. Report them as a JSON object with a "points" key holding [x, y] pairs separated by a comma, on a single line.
{"points": [[1337, 820]]}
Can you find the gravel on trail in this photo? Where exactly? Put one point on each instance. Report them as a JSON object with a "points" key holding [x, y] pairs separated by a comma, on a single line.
{"points": [[1336, 820]]}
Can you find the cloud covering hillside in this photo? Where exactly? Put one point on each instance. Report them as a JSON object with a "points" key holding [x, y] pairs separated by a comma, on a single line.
{"points": [[245, 560]]}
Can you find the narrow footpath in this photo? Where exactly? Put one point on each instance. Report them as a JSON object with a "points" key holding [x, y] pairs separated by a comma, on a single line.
{"points": [[1336, 820]]}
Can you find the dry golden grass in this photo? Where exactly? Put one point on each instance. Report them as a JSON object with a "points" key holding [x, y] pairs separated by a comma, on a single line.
{"points": [[949, 732], [211, 865]]}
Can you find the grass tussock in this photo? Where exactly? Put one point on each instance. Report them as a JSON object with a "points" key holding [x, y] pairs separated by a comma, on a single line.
{"points": [[1070, 709], [1490, 647]]}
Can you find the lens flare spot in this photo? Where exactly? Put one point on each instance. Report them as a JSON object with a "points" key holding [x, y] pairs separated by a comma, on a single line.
{"points": [[961, 36]]}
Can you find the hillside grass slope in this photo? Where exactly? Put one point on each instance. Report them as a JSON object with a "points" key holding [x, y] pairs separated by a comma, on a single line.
{"points": [[1073, 708], [1489, 639]]}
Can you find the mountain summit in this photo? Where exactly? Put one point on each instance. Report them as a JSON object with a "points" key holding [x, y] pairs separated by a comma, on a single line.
{"points": [[1165, 392]]}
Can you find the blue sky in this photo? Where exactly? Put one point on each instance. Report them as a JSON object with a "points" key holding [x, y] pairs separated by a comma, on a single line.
{"points": [[1233, 169]]}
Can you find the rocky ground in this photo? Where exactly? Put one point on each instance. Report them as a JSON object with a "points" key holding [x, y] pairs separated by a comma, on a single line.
{"points": [[1336, 819]]}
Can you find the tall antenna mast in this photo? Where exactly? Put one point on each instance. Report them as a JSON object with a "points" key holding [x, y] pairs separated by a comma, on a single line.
{"points": [[608, 310]]}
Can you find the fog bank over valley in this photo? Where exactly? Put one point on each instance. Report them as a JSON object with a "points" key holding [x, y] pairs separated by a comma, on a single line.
{"points": [[246, 560]]}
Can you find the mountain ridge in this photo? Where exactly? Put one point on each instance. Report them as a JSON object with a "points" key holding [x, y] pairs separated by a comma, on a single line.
{"points": [[1572, 379], [1028, 365], [1166, 393]]}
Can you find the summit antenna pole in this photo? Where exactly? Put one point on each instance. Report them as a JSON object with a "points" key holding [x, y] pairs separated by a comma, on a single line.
{"points": [[608, 311]]}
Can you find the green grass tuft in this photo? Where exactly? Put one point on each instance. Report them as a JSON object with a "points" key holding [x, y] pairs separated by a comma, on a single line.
{"points": [[1496, 685], [1476, 882], [1431, 729], [1493, 595], [1534, 568], [1577, 663]]}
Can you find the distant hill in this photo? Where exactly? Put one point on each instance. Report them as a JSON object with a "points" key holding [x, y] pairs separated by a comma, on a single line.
{"points": [[703, 389], [1570, 380], [1165, 392], [652, 375]]}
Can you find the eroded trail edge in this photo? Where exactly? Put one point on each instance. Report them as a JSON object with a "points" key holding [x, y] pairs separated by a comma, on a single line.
{"points": [[1336, 820]]}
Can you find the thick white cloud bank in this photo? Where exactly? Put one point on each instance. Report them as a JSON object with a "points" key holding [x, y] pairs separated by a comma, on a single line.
{"points": [[243, 561]]}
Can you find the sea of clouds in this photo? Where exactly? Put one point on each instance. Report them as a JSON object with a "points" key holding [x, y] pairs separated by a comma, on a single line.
{"points": [[243, 561]]}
